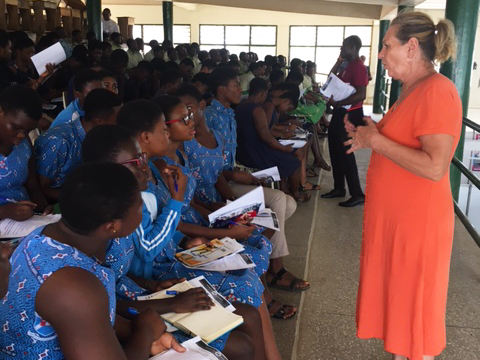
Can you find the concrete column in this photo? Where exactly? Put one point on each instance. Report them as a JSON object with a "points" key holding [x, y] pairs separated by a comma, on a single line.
{"points": [[94, 17], [464, 15], [168, 20], [379, 78]]}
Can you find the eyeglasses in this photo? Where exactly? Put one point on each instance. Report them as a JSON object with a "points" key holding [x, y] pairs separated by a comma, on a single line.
{"points": [[185, 119], [139, 161]]}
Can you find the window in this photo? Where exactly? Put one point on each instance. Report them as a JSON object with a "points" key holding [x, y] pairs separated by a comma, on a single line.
{"points": [[237, 38], [321, 44], [181, 34]]}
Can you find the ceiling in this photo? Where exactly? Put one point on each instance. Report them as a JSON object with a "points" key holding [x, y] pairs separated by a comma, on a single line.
{"points": [[368, 9]]}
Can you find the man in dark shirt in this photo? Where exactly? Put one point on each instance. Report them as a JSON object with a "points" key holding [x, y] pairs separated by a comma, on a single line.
{"points": [[344, 166], [7, 77]]}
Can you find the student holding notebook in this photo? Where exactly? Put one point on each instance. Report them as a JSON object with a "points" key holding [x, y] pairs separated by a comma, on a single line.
{"points": [[60, 297]]}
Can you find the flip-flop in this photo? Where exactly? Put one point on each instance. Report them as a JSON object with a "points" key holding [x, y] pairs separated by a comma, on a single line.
{"points": [[314, 187], [302, 197], [280, 313], [292, 287]]}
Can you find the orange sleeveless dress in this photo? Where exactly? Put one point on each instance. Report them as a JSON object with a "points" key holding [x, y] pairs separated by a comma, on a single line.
{"points": [[408, 231]]}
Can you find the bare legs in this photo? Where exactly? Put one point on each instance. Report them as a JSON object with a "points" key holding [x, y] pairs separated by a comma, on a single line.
{"points": [[400, 357]]}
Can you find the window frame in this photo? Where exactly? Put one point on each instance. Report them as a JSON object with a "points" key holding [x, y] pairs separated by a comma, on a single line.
{"points": [[323, 46], [250, 45], [175, 44]]}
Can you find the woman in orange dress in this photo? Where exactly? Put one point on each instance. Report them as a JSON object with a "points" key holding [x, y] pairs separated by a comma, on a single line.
{"points": [[409, 216]]}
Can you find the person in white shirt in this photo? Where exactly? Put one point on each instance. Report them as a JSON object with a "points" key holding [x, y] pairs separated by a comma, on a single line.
{"points": [[109, 26]]}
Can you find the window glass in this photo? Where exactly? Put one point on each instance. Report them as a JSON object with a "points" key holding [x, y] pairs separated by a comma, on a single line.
{"points": [[365, 51], [212, 34], [152, 32], [237, 35], [263, 51], [330, 35], [302, 35], [137, 31], [326, 57], [181, 34], [237, 49], [264, 35], [363, 32], [304, 53]]}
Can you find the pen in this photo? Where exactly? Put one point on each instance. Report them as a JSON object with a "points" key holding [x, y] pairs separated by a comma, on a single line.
{"points": [[133, 311], [172, 292], [9, 200], [175, 182]]}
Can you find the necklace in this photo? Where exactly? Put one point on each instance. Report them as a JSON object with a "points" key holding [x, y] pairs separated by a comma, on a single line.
{"points": [[409, 89]]}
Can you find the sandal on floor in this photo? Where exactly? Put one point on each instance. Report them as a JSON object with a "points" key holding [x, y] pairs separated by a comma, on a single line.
{"points": [[280, 313], [311, 172], [302, 197], [313, 186], [292, 287]]}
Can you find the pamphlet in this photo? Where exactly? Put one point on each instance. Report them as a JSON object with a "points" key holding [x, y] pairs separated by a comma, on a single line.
{"points": [[267, 219], [196, 350], [228, 263], [16, 229], [296, 144], [268, 175], [337, 88], [54, 54], [207, 253]]}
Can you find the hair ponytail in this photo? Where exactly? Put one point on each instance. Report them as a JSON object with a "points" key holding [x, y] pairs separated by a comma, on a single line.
{"points": [[445, 44]]}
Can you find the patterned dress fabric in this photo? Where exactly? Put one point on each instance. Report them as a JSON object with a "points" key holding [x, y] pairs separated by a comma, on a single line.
{"points": [[14, 172]]}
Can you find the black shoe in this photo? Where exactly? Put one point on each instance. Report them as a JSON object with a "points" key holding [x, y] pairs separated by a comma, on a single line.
{"points": [[353, 201], [333, 194]]}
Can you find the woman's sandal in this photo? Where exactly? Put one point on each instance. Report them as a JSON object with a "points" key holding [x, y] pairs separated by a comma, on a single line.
{"points": [[311, 172], [280, 313], [302, 197], [313, 187], [292, 287]]}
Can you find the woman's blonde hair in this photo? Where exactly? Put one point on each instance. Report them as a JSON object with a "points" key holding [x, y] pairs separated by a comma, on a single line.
{"points": [[437, 42]]}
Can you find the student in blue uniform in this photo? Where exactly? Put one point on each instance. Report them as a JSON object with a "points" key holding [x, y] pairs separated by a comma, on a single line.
{"points": [[5, 252], [60, 299], [20, 194], [59, 150], [84, 81]]}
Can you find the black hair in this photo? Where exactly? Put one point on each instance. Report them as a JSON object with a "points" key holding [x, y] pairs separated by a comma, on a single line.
{"points": [[294, 76], [115, 35], [354, 41], [104, 142], [204, 78], [119, 56], [221, 76], [4, 38], [91, 35], [106, 45], [187, 62], [170, 76], [292, 88], [137, 40], [100, 103], [276, 75], [83, 77], [75, 32], [209, 64], [105, 73], [189, 90], [170, 50], [145, 65], [95, 44], [158, 64], [295, 63], [153, 43], [130, 42], [18, 98], [167, 103], [157, 48], [80, 53], [223, 51], [97, 193], [167, 43], [139, 116], [203, 55], [256, 86], [23, 43], [233, 63], [293, 97], [254, 66]]}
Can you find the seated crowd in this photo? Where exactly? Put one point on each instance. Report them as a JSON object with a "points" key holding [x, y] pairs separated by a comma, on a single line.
{"points": [[146, 147]]}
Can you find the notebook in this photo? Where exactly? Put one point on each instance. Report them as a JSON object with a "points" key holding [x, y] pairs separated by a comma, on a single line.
{"points": [[208, 324], [204, 254]]}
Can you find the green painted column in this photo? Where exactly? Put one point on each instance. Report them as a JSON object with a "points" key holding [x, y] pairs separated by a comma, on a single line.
{"points": [[94, 17], [379, 77], [396, 88], [168, 20], [464, 15]]}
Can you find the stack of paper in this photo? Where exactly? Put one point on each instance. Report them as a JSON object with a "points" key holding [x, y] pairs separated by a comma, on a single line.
{"points": [[267, 219], [296, 144], [16, 229], [337, 88], [203, 254], [54, 55]]}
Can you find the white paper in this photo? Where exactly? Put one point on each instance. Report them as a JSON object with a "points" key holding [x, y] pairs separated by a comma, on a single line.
{"points": [[337, 88], [267, 174], [54, 54], [218, 299], [267, 219], [253, 197], [296, 144], [12, 229], [196, 350], [228, 263]]}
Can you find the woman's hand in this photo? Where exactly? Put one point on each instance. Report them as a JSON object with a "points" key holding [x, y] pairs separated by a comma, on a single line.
{"points": [[165, 284], [19, 211], [192, 242], [241, 232], [192, 300], [166, 342], [361, 137], [174, 174]]}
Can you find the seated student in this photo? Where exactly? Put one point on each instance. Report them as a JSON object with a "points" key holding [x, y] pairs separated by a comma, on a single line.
{"points": [[118, 66], [243, 63], [310, 75], [172, 55], [59, 150], [257, 147], [149, 56], [67, 310], [158, 53], [254, 70], [106, 51], [112, 143], [109, 81], [234, 64], [224, 56], [170, 80], [202, 56], [95, 53], [193, 55], [5, 253], [276, 78], [202, 83], [140, 82], [7, 78], [146, 122], [134, 55], [117, 41], [208, 65], [215, 56], [20, 193], [186, 67], [77, 38], [84, 81]]}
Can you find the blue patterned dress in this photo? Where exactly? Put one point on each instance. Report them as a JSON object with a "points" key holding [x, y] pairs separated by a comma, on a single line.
{"points": [[59, 150], [206, 166], [14, 172], [25, 335]]}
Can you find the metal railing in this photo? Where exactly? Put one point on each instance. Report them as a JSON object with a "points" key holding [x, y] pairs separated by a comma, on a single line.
{"points": [[385, 95], [474, 180]]}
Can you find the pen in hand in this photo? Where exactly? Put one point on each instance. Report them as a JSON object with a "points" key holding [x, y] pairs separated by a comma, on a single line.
{"points": [[175, 184]]}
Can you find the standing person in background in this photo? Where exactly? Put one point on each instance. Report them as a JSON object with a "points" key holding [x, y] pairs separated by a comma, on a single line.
{"points": [[134, 56], [109, 26], [243, 63], [363, 58], [117, 41], [149, 56], [409, 215], [343, 164]]}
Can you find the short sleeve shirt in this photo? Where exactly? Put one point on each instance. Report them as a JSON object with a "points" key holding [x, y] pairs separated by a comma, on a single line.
{"points": [[355, 74]]}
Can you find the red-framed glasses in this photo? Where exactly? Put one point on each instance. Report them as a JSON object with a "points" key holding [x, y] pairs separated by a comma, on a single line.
{"points": [[185, 119], [139, 161]]}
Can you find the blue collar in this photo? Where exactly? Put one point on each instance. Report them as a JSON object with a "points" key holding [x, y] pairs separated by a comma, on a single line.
{"points": [[217, 105]]}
